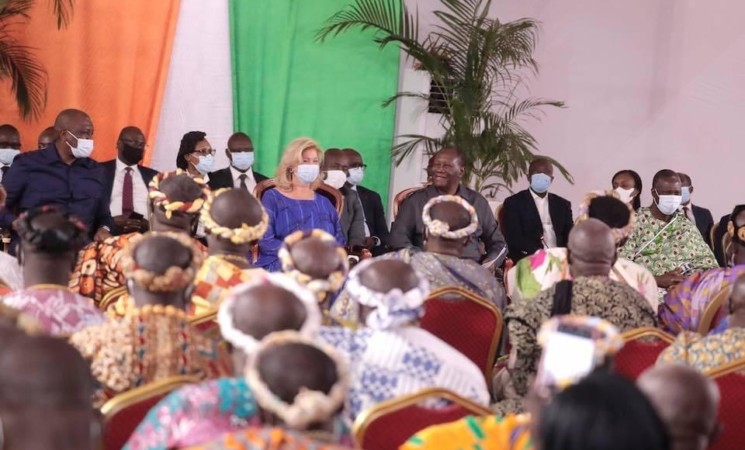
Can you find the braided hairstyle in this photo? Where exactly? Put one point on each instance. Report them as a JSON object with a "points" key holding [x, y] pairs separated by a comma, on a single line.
{"points": [[65, 235]]}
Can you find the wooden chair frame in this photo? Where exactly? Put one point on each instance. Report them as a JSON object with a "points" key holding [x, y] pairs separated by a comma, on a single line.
{"points": [[712, 235], [363, 421], [112, 297], [136, 395], [402, 196], [209, 316], [712, 309], [737, 365], [470, 296], [637, 333]]}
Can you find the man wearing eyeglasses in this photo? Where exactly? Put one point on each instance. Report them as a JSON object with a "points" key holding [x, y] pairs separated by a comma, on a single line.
{"points": [[240, 174], [376, 227], [127, 182], [10, 147]]}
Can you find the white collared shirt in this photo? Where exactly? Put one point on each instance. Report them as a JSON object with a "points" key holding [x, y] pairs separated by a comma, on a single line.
{"points": [[139, 190], [541, 203], [250, 180]]}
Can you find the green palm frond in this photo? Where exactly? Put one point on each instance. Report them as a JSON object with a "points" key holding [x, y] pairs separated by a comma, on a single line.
{"points": [[26, 74]]}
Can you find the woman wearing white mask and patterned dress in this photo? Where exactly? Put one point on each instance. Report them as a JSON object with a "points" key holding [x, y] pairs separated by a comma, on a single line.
{"points": [[294, 205]]}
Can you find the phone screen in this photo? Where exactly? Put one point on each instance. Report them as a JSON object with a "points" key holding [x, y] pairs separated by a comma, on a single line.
{"points": [[569, 354]]}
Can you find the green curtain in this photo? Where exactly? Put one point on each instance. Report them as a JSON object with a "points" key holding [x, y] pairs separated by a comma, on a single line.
{"points": [[287, 85]]}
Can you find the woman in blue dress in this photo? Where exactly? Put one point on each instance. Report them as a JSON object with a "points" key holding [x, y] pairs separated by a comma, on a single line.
{"points": [[294, 204]]}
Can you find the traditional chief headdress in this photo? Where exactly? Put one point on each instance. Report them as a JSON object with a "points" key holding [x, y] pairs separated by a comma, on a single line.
{"points": [[246, 343], [174, 279], [308, 407], [50, 238], [442, 229], [162, 201], [322, 286], [619, 234], [242, 235], [393, 308]]}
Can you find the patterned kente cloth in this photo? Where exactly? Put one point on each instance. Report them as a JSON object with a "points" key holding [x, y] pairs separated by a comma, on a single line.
{"points": [[214, 279], [99, 266], [705, 352], [147, 345], [57, 310], [684, 305], [511, 432], [391, 363]]}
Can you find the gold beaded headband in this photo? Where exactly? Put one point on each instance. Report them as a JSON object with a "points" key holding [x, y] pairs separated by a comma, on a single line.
{"points": [[308, 406], [320, 287], [162, 201], [619, 234], [442, 229], [174, 279], [243, 235]]}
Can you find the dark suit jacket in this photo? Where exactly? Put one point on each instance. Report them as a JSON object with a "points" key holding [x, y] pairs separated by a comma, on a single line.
{"points": [[718, 237], [109, 168], [522, 224], [704, 222], [223, 178], [374, 214]]}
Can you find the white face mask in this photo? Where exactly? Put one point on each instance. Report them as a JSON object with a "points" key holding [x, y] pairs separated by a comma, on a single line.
{"points": [[242, 160], [626, 195], [336, 178], [84, 148], [668, 204], [307, 173], [356, 175], [7, 155]]}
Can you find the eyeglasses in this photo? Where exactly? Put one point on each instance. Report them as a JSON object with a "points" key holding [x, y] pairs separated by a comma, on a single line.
{"points": [[358, 166], [134, 143], [205, 151]]}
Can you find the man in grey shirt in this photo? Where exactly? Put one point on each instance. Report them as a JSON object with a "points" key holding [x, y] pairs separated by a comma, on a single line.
{"points": [[446, 170]]}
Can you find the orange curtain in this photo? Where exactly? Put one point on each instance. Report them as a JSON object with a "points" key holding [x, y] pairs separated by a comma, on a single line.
{"points": [[112, 62]]}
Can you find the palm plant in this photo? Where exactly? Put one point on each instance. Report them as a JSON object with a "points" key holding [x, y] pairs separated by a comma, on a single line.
{"points": [[477, 65], [28, 79]]}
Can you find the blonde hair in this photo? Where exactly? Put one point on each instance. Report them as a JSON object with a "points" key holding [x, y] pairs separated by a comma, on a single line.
{"points": [[292, 155]]}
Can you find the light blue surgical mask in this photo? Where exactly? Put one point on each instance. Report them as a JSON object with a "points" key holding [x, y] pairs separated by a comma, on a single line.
{"points": [[356, 175], [668, 204], [686, 194], [242, 160], [204, 166], [307, 173], [7, 155], [540, 182]]}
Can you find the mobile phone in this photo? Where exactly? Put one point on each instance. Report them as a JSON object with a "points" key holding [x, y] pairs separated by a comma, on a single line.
{"points": [[568, 355], [137, 216]]}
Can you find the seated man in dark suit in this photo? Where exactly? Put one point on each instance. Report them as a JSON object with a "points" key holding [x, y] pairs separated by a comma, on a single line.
{"points": [[352, 218], [10, 147], [376, 225], [240, 173], [126, 183], [446, 170], [701, 217], [534, 218]]}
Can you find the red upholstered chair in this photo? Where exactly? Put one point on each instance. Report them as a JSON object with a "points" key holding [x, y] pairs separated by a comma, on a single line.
{"points": [[714, 312], [389, 424], [640, 350], [469, 323], [403, 195], [124, 412], [731, 382]]}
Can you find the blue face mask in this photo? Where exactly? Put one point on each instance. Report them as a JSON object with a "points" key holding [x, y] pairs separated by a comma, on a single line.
{"points": [[685, 192], [540, 182], [242, 160], [204, 166], [307, 173]]}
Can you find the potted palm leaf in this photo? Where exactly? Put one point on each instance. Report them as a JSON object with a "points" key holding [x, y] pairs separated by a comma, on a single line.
{"points": [[478, 65]]}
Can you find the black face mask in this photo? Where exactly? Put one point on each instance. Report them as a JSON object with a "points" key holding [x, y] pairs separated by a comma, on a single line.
{"points": [[131, 155]]}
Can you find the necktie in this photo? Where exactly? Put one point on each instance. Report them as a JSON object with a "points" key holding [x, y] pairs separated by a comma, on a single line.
{"points": [[4, 170], [687, 212], [128, 193], [243, 177]]}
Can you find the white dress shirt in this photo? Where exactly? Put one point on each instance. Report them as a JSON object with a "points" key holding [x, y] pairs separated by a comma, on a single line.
{"points": [[541, 203], [139, 190], [250, 180]]}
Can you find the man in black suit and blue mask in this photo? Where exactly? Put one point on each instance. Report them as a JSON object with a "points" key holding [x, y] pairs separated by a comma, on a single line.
{"points": [[240, 173], [534, 218], [127, 183], [701, 217]]}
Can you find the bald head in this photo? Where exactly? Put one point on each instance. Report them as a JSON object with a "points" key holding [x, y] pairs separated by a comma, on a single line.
{"points": [[592, 249], [225, 213], [181, 188], [686, 401], [387, 275], [267, 308], [239, 141], [158, 253], [335, 159], [47, 136], [10, 137], [315, 257], [70, 119], [455, 215]]}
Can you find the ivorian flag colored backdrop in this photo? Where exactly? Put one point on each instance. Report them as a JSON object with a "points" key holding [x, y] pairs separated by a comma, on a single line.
{"points": [[172, 66]]}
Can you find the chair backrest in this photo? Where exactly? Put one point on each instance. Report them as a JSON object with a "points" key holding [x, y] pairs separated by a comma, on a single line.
{"points": [[123, 413], [112, 297], [334, 196], [714, 312], [389, 424], [469, 323], [731, 382], [403, 195], [640, 350]]}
